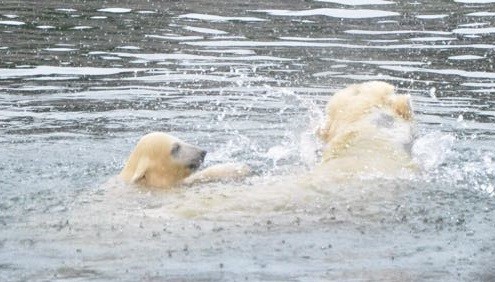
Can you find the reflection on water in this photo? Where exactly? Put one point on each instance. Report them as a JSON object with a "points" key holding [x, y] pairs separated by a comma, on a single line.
{"points": [[81, 81]]}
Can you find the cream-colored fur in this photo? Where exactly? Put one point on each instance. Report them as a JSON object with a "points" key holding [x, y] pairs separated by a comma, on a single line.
{"points": [[160, 160], [219, 172], [368, 129]]}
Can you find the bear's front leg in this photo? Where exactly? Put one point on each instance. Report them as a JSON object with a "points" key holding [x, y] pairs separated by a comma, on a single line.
{"points": [[218, 173]]}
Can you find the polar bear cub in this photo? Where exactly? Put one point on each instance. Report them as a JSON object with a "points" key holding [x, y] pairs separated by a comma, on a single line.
{"points": [[160, 160], [368, 129]]}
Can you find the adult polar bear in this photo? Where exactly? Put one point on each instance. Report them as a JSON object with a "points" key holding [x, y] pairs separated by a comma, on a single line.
{"points": [[368, 130]]}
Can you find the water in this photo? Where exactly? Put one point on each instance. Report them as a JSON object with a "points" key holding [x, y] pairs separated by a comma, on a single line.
{"points": [[81, 81]]}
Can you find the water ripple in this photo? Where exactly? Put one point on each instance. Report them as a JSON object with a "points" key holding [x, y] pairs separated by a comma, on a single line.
{"points": [[63, 71], [205, 30], [215, 18], [232, 43], [475, 1], [115, 10], [432, 17], [470, 74], [359, 2], [464, 31], [384, 32], [15, 23], [334, 13], [481, 14], [191, 57]]}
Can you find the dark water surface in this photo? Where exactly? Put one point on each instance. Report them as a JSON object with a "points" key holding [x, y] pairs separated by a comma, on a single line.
{"points": [[81, 81]]}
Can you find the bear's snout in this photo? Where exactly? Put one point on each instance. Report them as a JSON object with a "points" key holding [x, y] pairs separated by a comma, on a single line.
{"points": [[201, 157], [196, 162]]}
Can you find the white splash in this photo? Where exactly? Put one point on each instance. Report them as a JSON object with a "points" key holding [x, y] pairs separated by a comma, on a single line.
{"points": [[431, 150], [277, 153]]}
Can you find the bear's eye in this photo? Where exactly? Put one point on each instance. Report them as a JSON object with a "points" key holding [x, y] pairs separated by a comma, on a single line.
{"points": [[175, 149]]}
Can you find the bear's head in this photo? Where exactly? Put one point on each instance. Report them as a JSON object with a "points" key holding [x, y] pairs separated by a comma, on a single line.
{"points": [[358, 101], [160, 160]]}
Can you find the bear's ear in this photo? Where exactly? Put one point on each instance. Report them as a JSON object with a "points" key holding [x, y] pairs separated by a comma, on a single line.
{"points": [[402, 106], [140, 172]]}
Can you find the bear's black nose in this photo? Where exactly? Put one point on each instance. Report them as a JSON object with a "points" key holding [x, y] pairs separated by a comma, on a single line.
{"points": [[202, 154], [196, 163]]}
